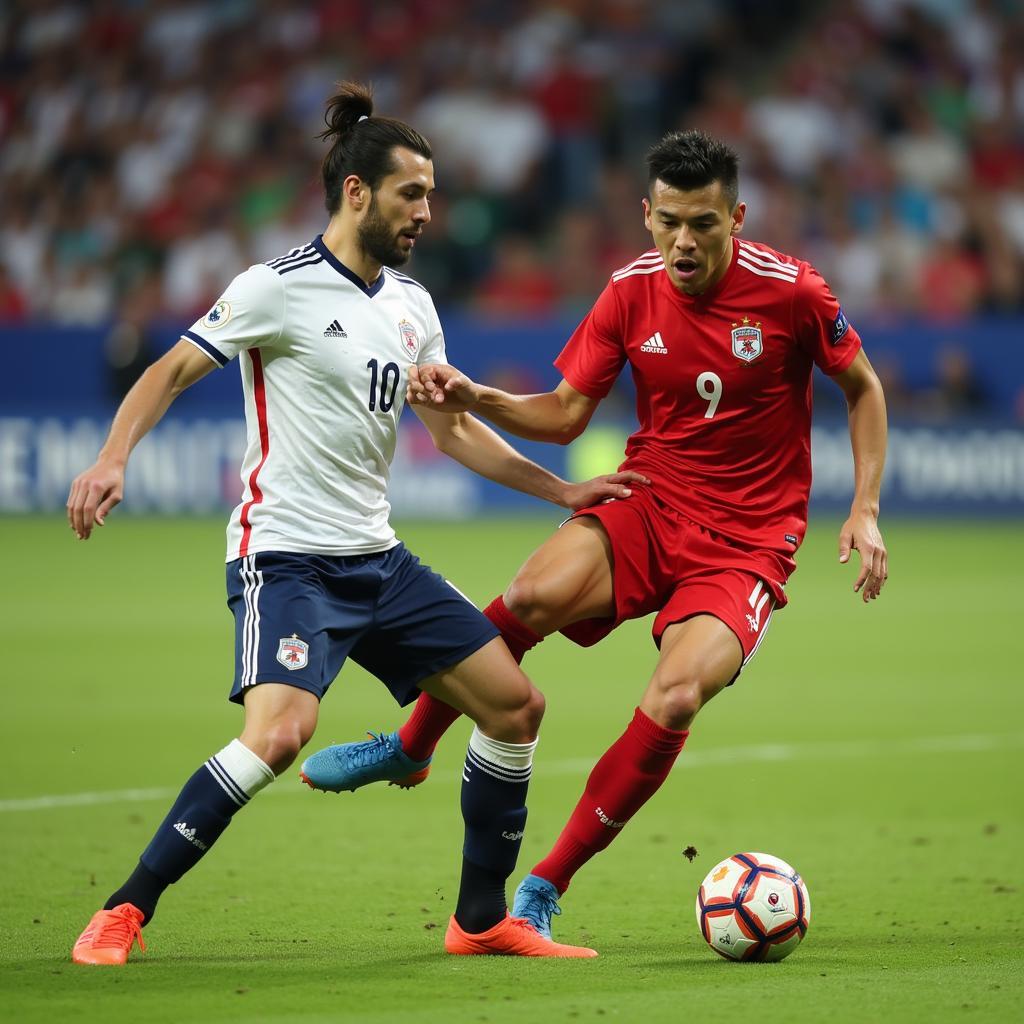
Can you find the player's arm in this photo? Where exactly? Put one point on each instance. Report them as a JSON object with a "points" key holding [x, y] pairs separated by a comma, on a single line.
{"points": [[96, 491], [559, 416], [467, 440], [868, 431]]}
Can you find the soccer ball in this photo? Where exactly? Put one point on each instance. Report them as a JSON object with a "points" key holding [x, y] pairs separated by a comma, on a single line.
{"points": [[753, 906]]}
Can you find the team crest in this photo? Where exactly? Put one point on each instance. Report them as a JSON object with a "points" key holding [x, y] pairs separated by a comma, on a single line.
{"points": [[292, 652], [218, 316], [747, 342], [410, 342]]}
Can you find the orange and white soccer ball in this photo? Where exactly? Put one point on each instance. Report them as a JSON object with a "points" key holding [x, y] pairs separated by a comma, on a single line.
{"points": [[753, 906]]}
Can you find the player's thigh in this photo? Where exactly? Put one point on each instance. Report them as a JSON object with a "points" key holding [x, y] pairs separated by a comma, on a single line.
{"points": [[493, 690], [296, 618], [423, 626], [568, 578], [699, 657]]}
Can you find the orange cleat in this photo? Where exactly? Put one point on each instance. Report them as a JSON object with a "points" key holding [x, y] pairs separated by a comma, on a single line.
{"points": [[109, 936], [514, 936]]}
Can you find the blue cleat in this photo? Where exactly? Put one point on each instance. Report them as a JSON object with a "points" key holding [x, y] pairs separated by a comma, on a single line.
{"points": [[347, 766], [536, 900]]}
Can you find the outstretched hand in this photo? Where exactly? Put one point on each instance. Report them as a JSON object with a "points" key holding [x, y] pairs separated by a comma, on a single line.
{"points": [[442, 387], [860, 533], [593, 492], [93, 494]]}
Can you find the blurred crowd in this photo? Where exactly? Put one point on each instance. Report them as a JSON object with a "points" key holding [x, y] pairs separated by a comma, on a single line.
{"points": [[150, 150]]}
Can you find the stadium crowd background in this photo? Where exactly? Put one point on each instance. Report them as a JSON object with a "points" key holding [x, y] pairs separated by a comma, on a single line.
{"points": [[151, 150]]}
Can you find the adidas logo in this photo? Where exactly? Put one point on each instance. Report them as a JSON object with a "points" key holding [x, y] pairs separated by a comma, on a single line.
{"points": [[654, 344], [609, 822], [189, 834], [335, 331]]}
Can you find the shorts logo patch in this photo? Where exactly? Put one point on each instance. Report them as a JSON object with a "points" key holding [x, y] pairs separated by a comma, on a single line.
{"points": [[218, 316], [747, 341], [292, 652]]}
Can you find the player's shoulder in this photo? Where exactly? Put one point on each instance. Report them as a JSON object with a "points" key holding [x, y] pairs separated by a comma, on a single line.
{"points": [[641, 270], [255, 286], [299, 258], [404, 280], [757, 260]]}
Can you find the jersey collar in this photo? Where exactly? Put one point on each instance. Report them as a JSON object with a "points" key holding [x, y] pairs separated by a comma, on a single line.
{"points": [[367, 289]]}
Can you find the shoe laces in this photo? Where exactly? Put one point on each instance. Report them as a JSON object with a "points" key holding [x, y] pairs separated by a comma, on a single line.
{"points": [[372, 751], [538, 906], [120, 927]]}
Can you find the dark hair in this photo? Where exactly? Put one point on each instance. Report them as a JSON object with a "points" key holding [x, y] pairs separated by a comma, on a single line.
{"points": [[361, 144], [692, 159]]}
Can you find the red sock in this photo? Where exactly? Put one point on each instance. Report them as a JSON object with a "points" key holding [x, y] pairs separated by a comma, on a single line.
{"points": [[431, 718], [627, 776], [518, 637]]}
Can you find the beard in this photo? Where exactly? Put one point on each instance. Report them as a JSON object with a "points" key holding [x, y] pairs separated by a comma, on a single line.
{"points": [[377, 238]]}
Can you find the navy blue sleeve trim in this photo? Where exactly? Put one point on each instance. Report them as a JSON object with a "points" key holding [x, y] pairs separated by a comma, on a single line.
{"points": [[218, 357]]}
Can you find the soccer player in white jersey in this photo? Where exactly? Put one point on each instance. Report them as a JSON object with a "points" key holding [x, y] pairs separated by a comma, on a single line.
{"points": [[315, 573]]}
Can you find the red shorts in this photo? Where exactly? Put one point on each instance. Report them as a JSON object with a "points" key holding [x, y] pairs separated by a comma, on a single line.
{"points": [[663, 562]]}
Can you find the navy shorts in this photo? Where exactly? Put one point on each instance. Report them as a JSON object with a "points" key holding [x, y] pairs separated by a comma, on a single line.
{"points": [[299, 616]]}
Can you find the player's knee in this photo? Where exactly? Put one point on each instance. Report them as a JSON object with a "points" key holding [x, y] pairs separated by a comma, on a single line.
{"points": [[532, 712], [676, 700], [516, 721], [527, 597], [279, 743]]}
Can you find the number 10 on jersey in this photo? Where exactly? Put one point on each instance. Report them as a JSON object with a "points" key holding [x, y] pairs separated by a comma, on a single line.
{"points": [[388, 385]]}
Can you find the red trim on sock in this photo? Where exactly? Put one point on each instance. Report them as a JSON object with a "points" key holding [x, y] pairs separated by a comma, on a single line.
{"points": [[629, 773], [518, 637], [430, 720]]}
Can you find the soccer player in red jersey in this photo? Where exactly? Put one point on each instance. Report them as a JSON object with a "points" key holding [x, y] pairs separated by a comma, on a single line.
{"points": [[721, 336]]}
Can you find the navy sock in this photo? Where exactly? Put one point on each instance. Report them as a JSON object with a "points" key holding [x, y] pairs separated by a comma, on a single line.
{"points": [[494, 784], [203, 810], [142, 890]]}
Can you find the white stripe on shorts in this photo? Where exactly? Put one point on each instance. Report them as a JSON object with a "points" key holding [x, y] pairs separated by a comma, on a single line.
{"points": [[253, 580], [764, 629]]}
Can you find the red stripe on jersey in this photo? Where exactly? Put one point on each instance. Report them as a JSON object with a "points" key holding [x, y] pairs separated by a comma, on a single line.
{"points": [[256, 495]]}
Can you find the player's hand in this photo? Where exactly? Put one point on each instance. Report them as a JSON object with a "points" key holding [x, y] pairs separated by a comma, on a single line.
{"points": [[860, 533], [442, 387], [93, 494], [593, 492]]}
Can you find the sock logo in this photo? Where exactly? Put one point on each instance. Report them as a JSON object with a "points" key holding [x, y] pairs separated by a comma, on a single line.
{"points": [[182, 828], [609, 822], [514, 836]]}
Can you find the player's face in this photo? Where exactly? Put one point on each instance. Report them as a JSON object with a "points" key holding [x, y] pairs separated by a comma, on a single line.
{"points": [[399, 209], [693, 231]]}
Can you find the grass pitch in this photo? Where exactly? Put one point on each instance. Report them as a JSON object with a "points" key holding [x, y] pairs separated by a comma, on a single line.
{"points": [[877, 749]]}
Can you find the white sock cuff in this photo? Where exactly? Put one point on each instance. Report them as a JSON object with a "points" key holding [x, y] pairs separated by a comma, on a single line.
{"points": [[248, 772], [516, 756]]}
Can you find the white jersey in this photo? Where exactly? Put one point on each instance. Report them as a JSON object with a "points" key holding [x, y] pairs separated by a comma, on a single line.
{"points": [[323, 360]]}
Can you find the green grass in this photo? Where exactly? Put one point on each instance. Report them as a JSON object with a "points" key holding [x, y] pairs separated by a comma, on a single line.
{"points": [[878, 749]]}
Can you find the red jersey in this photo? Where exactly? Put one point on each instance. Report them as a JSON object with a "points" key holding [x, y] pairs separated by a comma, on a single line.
{"points": [[723, 384]]}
